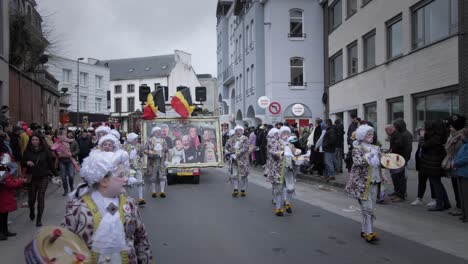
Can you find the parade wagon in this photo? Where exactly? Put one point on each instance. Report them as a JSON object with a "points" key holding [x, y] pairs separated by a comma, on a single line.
{"points": [[194, 143]]}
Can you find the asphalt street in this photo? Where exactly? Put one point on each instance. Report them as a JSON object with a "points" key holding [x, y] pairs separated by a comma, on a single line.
{"points": [[205, 224]]}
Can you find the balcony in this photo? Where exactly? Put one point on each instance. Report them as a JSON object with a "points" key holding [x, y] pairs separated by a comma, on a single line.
{"points": [[228, 76], [65, 100]]}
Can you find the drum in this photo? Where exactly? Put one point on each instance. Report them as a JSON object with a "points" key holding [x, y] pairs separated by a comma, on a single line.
{"points": [[58, 245], [392, 161]]}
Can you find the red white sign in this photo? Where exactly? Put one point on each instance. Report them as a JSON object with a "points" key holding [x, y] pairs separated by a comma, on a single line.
{"points": [[275, 108], [263, 102]]}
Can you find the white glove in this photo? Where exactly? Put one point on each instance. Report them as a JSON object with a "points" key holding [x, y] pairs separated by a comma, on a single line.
{"points": [[166, 163], [233, 156], [132, 181]]}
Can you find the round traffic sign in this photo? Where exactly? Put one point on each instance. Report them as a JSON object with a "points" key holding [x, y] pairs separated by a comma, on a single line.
{"points": [[275, 108], [298, 109], [263, 102]]}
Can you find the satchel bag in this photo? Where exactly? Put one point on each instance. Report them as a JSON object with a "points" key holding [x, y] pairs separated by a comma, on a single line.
{"points": [[446, 163]]}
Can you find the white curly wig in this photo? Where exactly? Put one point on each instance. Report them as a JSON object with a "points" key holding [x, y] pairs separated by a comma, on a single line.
{"points": [[361, 132], [104, 129], [100, 164], [132, 137]]}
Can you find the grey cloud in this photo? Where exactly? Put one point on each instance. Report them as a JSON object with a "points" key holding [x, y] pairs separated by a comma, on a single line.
{"points": [[111, 29]]}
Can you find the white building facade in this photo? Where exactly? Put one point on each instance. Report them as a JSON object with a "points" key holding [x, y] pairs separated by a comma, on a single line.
{"points": [[211, 85], [392, 59], [94, 83], [127, 75], [270, 48]]}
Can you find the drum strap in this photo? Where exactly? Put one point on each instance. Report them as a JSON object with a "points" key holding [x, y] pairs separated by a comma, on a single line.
{"points": [[97, 220]]}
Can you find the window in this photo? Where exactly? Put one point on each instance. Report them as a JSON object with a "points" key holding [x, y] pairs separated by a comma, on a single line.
{"points": [[394, 37], [247, 34], [395, 109], [336, 67], [83, 79], [66, 76], [370, 113], [297, 71], [252, 77], [435, 106], [118, 89], [83, 104], [365, 2], [98, 105], [130, 88], [352, 59], [351, 7], [131, 104], [251, 31], [433, 21], [247, 76], [98, 82], [118, 105], [166, 93], [335, 15], [295, 23], [369, 50]]}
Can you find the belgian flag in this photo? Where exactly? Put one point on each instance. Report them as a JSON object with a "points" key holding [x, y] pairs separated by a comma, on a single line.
{"points": [[159, 101], [150, 110], [182, 102]]}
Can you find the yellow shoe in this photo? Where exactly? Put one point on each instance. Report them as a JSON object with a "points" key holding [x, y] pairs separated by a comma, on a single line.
{"points": [[141, 202], [279, 212], [163, 195], [243, 193], [288, 208], [371, 237], [154, 195], [235, 193]]}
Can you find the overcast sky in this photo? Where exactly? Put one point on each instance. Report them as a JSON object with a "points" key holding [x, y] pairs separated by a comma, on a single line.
{"points": [[113, 29]]}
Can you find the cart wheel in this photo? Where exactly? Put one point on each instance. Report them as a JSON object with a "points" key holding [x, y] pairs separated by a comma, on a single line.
{"points": [[196, 180]]}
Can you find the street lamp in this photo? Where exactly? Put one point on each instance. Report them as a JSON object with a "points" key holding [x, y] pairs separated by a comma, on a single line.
{"points": [[78, 91]]}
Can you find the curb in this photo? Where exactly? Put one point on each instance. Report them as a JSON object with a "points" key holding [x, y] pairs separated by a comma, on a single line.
{"points": [[307, 177]]}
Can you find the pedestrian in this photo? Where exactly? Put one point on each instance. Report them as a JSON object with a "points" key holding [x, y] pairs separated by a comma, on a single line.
{"points": [[422, 177], [315, 156], [158, 154], [85, 145], [252, 146], [349, 139], [282, 172], [461, 169], [37, 162], [458, 133], [108, 221], [63, 152], [320, 157], [401, 143], [135, 152], [8, 186], [329, 148], [339, 148], [364, 178], [432, 154], [238, 149], [74, 147]]}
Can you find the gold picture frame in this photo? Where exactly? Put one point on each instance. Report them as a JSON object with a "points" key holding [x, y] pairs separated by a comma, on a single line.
{"points": [[209, 151]]}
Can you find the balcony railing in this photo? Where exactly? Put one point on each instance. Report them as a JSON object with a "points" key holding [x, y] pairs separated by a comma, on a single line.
{"points": [[65, 100], [227, 74]]}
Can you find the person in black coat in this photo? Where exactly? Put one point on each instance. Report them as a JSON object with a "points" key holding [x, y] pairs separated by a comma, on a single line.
{"points": [[85, 144], [422, 178], [339, 152], [430, 160], [401, 142], [38, 163], [329, 148]]}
